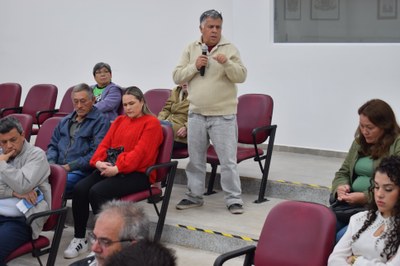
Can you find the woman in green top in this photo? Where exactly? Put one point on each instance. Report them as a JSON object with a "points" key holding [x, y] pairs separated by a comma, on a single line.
{"points": [[377, 136]]}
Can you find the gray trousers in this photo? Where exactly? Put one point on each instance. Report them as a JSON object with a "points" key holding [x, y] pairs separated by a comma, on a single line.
{"points": [[223, 133]]}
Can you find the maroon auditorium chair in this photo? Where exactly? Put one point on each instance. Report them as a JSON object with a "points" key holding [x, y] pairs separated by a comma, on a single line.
{"points": [[156, 99], [66, 106], [46, 132], [254, 117], [165, 178], [10, 96], [55, 222], [39, 103], [26, 123], [294, 233]]}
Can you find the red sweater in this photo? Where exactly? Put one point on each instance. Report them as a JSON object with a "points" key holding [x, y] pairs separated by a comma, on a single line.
{"points": [[140, 137]]}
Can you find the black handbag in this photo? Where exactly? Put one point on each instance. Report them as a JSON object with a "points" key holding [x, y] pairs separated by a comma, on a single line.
{"points": [[112, 154], [343, 210]]}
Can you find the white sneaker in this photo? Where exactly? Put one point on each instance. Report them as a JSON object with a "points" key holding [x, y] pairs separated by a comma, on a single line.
{"points": [[76, 247]]}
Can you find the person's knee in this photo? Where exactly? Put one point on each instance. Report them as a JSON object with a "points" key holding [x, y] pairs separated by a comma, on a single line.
{"points": [[92, 195], [96, 199], [79, 189]]}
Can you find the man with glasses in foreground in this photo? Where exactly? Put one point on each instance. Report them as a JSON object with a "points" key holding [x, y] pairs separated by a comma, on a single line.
{"points": [[119, 223]]}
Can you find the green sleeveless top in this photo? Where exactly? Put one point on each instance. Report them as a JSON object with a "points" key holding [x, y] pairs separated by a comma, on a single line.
{"points": [[363, 170]]}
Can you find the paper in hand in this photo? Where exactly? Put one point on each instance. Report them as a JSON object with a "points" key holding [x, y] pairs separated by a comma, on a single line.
{"points": [[23, 205]]}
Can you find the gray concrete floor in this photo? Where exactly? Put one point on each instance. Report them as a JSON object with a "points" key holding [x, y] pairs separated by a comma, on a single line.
{"points": [[185, 256], [293, 167]]}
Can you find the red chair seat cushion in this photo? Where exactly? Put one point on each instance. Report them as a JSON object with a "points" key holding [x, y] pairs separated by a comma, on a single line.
{"points": [[180, 153], [40, 243], [243, 153]]}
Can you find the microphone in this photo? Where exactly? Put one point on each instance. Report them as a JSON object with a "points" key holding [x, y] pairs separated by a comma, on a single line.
{"points": [[204, 50]]}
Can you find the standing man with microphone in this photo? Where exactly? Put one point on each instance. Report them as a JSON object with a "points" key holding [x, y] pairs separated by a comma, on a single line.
{"points": [[204, 50], [212, 89]]}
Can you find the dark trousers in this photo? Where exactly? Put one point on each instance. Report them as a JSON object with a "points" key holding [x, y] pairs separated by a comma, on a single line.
{"points": [[13, 233], [96, 190]]}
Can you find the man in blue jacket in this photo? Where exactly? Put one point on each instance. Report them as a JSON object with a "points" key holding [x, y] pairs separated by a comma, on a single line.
{"points": [[76, 137]]}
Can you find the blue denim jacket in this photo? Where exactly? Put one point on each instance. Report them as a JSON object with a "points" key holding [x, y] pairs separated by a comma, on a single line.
{"points": [[77, 154]]}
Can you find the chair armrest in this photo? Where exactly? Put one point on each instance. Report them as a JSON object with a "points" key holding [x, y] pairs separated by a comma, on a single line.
{"points": [[248, 251], [2, 110], [37, 215], [271, 136], [161, 165], [257, 130], [167, 182], [39, 113]]}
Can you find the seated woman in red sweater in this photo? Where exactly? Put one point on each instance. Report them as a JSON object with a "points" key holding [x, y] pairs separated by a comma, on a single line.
{"points": [[140, 134]]}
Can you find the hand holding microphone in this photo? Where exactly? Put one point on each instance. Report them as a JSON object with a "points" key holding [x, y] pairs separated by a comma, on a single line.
{"points": [[204, 50]]}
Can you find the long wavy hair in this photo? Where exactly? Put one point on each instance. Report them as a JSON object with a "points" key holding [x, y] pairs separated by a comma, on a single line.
{"points": [[391, 167], [381, 115]]}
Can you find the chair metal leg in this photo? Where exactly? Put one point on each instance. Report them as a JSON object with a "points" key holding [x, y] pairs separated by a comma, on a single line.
{"points": [[165, 202], [263, 185], [51, 260]]}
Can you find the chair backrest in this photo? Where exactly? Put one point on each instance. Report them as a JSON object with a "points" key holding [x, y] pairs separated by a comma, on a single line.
{"points": [[10, 96], [66, 105], [58, 182], [121, 109], [26, 122], [254, 110], [165, 152], [121, 106], [156, 98], [46, 132], [296, 233], [39, 98]]}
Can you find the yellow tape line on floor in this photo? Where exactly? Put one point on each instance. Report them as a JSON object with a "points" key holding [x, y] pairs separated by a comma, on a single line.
{"points": [[245, 238], [301, 184]]}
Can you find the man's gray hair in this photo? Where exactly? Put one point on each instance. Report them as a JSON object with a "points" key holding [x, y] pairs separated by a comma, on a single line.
{"points": [[136, 223], [8, 123], [212, 13], [83, 87]]}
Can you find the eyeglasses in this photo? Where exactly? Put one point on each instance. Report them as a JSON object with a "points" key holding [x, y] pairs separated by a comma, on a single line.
{"points": [[104, 242], [98, 72]]}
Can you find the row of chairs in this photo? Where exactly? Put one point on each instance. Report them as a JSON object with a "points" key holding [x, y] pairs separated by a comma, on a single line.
{"points": [[254, 118], [165, 168], [39, 103]]}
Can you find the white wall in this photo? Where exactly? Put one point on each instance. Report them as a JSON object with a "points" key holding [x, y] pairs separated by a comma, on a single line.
{"points": [[317, 88]]}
